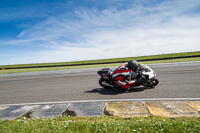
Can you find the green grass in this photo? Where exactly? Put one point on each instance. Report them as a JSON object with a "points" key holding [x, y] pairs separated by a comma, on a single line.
{"points": [[106, 60], [92, 66], [104, 124]]}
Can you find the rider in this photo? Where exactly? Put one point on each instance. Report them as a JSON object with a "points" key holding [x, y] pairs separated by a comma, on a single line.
{"points": [[122, 75]]}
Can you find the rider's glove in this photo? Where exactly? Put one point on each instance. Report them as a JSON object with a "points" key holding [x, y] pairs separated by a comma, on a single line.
{"points": [[139, 72]]}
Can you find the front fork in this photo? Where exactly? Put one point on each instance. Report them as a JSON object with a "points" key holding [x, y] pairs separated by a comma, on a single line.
{"points": [[149, 83]]}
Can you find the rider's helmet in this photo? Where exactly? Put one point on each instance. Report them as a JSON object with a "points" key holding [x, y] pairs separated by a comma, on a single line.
{"points": [[133, 65]]}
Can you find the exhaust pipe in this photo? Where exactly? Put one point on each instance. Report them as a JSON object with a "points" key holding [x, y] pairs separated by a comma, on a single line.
{"points": [[107, 85]]}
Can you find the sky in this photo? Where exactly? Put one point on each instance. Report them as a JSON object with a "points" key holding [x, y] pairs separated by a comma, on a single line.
{"points": [[44, 31]]}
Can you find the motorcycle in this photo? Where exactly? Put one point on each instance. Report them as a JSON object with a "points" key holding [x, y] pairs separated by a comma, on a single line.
{"points": [[145, 72]]}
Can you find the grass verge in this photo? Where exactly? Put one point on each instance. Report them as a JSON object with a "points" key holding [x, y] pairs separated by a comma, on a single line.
{"points": [[104, 124], [92, 66], [106, 60]]}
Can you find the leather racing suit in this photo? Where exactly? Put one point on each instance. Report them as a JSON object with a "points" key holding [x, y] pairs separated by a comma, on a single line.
{"points": [[122, 76]]}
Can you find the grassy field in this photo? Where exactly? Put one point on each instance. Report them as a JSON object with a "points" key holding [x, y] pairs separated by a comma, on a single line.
{"points": [[6, 71], [106, 60], [92, 66], [104, 124]]}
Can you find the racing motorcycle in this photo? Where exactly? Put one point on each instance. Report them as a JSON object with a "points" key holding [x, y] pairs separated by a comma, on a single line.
{"points": [[145, 72]]}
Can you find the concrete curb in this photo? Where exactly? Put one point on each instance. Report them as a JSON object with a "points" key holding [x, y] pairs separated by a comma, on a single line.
{"points": [[125, 109]]}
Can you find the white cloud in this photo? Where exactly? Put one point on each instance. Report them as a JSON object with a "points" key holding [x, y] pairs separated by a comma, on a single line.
{"points": [[167, 27]]}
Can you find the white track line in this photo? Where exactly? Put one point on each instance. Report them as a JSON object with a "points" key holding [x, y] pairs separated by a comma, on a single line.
{"points": [[112, 100]]}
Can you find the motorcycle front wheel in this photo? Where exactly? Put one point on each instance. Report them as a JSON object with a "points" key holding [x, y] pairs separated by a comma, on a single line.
{"points": [[153, 82]]}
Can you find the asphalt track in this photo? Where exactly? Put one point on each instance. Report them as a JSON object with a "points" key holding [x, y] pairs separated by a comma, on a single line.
{"points": [[177, 80]]}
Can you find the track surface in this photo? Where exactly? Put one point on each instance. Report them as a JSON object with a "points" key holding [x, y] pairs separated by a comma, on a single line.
{"points": [[177, 80]]}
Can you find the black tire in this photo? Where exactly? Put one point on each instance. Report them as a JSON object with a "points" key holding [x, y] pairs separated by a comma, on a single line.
{"points": [[152, 83], [155, 81], [100, 83]]}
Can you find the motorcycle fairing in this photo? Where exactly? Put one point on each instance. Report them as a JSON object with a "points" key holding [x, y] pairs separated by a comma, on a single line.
{"points": [[148, 72]]}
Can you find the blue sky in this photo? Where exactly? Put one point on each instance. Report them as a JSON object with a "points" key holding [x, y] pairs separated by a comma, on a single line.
{"points": [[41, 31]]}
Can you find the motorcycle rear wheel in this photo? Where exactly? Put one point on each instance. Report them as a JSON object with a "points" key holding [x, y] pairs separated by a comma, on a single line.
{"points": [[100, 83]]}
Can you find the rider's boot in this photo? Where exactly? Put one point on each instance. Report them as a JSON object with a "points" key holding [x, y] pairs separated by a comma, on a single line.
{"points": [[127, 90]]}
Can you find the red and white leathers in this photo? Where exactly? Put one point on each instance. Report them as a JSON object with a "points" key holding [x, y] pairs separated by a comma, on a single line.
{"points": [[120, 76]]}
